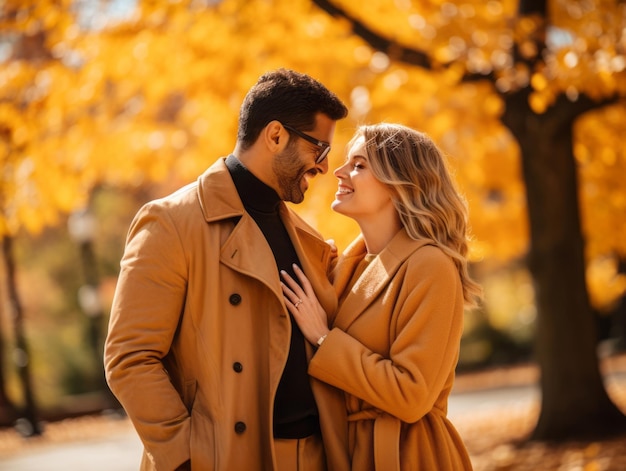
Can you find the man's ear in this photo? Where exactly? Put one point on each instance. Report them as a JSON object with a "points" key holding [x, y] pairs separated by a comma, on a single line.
{"points": [[275, 136]]}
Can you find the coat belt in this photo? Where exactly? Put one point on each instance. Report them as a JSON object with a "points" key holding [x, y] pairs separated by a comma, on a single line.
{"points": [[386, 438]]}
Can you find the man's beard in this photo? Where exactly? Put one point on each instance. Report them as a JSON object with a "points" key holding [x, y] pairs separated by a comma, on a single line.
{"points": [[289, 172]]}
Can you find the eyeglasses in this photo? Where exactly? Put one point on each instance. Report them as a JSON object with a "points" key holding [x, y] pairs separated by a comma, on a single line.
{"points": [[324, 147]]}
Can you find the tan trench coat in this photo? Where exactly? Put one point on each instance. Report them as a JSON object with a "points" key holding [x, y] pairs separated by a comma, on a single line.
{"points": [[199, 332], [393, 348]]}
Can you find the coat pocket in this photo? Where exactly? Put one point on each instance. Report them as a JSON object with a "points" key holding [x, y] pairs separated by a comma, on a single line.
{"points": [[202, 442]]}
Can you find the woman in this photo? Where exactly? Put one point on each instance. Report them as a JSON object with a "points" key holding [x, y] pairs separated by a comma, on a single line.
{"points": [[402, 286]]}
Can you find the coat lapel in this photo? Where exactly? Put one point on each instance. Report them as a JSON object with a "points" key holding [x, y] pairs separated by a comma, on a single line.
{"points": [[246, 250], [375, 277]]}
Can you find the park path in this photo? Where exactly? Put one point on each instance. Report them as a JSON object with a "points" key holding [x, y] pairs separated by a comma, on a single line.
{"points": [[117, 448], [109, 443]]}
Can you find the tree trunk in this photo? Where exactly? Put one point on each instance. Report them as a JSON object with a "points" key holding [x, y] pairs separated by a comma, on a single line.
{"points": [[8, 411], [28, 424], [574, 402], [619, 317]]}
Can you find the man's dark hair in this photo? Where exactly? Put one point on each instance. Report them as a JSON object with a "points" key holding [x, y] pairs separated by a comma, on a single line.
{"points": [[287, 96]]}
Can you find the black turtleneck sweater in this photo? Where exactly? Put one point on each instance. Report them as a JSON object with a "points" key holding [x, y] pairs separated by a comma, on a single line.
{"points": [[295, 413]]}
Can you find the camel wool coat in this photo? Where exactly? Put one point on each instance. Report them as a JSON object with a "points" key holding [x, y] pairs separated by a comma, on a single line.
{"points": [[199, 332], [393, 349]]}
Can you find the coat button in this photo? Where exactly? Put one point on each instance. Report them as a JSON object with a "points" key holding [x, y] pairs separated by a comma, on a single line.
{"points": [[240, 427], [234, 299], [238, 367]]}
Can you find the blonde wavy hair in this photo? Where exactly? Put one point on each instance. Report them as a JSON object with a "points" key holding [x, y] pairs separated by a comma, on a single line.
{"points": [[423, 192]]}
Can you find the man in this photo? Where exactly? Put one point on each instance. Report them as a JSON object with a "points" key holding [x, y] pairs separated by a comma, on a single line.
{"points": [[201, 350]]}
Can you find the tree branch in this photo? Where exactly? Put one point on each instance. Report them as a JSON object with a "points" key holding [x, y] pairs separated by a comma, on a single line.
{"points": [[394, 50], [411, 56]]}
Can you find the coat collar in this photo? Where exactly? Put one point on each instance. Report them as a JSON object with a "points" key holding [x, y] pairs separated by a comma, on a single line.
{"points": [[217, 194], [376, 276], [219, 200]]}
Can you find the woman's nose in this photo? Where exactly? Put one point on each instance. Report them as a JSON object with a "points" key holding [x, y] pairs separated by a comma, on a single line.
{"points": [[339, 171]]}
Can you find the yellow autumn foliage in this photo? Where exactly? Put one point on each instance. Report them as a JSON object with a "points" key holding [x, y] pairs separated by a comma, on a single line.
{"points": [[154, 94]]}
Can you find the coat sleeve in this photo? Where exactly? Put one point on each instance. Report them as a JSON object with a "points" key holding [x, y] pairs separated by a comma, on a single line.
{"points": [[145, 314], [428, 322]]}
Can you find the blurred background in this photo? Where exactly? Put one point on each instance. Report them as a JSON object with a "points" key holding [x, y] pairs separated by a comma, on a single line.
{"points": [[105, 105]]}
